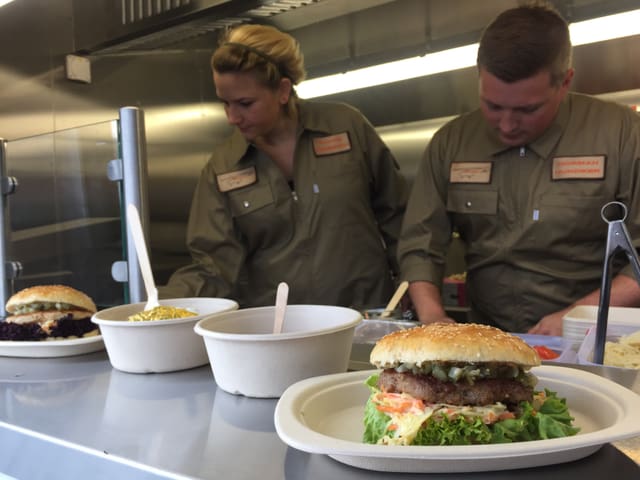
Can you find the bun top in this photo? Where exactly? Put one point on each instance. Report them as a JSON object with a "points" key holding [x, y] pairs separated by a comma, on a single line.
{"points": [[452, 342], [51, 294]]}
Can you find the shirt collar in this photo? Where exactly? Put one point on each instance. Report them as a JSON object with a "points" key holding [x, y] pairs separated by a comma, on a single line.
{"points": [[240, 148], [544, 145]]}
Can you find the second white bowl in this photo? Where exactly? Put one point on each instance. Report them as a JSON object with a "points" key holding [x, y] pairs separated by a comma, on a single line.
{"points": [[247, 358]]}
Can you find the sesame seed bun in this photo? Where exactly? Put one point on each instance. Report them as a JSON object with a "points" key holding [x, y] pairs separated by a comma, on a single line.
{"points": [[51, 293], [452, 342]]}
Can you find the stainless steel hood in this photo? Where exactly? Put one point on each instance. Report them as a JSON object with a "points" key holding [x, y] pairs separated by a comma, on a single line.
{"points": [[108, 27]]}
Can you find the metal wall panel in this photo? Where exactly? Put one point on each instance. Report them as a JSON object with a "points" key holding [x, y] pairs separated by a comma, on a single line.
{"points": [[174, 87]]}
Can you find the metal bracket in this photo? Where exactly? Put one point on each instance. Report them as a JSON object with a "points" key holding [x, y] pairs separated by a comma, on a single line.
{"points": [[115, 170], [8, 185], [13, 269], [120, 271]]}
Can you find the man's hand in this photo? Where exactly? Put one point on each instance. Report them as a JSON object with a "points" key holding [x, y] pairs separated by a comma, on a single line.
{"points": [[625, 292], [436, 319], [426, 300], [549, 325]]}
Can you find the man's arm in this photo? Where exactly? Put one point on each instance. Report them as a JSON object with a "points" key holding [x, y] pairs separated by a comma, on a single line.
{"points": [[426, 300], [625, 292]]}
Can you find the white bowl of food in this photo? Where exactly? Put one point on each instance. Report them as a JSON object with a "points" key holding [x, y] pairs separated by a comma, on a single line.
{"points": [[247, 358], [155, 346]]}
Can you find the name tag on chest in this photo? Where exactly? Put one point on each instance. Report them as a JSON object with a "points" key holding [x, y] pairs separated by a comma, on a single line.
{"points": [[470, 172], [237, 179], [331, 144], [579, 168]]}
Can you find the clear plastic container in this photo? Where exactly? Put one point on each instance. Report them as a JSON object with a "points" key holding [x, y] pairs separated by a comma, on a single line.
{"points": [[367, 333], [614, 332]]}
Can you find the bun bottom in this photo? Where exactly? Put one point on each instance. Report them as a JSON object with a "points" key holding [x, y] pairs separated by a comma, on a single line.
{"points": [[64, 328]]}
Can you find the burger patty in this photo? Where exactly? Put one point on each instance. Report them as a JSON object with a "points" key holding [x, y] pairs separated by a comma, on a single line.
{"points": [[432, 390], [66, 326]]}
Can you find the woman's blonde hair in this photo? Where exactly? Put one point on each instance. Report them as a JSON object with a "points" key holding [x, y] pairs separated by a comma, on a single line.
{"points": [[264, 51]]}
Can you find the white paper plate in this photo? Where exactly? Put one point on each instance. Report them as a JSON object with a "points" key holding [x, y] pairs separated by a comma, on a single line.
{"points": [[324, 415], [51, 348]]}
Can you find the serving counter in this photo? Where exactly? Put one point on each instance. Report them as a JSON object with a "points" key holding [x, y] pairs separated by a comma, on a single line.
{"points": [[76, 417]]}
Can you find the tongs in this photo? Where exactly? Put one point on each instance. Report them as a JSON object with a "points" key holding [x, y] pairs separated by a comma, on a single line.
{"points": [[617, 241]]}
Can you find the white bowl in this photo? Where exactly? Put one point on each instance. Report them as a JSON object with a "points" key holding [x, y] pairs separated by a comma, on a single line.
{"points": [[577, 322], [247, 358], [156, 346]]}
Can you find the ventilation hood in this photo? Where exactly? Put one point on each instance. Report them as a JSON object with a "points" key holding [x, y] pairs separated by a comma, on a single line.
{"points": [[109, 27]]}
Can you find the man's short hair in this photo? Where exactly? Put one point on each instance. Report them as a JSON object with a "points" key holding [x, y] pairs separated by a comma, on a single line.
{"points": [[524, 41]]}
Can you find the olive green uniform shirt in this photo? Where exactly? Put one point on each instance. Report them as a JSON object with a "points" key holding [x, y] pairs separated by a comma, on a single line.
{"points": [[530, 217], [332, 236]]}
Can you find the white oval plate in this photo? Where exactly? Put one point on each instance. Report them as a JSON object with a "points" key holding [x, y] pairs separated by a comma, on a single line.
{"points": [[51, 348], [325, 415]]}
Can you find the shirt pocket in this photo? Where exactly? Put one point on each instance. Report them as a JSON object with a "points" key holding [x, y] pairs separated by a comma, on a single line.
{"points": [[247, 200], [344, 165], [573, 218], [479, 202]]}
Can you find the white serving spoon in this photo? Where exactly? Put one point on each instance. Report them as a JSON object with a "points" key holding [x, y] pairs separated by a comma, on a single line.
{"points": [[133, 218], [281, 305], [393, 303]]}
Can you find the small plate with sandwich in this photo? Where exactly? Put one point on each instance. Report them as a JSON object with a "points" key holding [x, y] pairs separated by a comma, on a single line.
{"points": [[49, 321], [456, 398]]}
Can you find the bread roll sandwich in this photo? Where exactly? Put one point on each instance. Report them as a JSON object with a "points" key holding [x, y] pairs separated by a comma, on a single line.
{"points": [[48, 312], [456, 384]]}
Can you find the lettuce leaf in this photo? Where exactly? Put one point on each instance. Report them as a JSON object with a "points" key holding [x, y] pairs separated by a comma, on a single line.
{"points": [[375, 422], [453, 432], [552, 420]]}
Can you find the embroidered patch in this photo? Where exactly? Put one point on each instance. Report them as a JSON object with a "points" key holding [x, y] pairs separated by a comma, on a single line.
{"points": [[590, 167], [470, 172], [331, 144], [237, 179]]}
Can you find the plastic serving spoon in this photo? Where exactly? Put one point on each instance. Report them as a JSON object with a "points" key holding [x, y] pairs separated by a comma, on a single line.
{"points": [[281, 305], [133, 218], [391, 306]]}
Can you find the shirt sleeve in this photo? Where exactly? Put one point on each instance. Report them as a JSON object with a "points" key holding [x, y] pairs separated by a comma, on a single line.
{"points": [[426, 229], [216, 251], [389, 192]]}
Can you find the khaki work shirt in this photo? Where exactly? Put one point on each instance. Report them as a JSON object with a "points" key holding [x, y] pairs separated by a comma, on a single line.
{"points": [[530, 217], [332, 237]]}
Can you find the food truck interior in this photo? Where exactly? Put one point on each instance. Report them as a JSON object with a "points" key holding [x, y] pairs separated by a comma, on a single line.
{"points": [[68, 66]]}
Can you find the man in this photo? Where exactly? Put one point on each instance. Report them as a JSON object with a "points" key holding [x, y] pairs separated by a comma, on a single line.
{"points": [[523, 180]]}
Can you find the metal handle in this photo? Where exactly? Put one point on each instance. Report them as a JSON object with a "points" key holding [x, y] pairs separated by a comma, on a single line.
{"points": [[618, 240]]}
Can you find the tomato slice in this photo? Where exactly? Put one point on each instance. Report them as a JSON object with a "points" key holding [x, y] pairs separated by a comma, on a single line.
{"points": [[545, 353]]}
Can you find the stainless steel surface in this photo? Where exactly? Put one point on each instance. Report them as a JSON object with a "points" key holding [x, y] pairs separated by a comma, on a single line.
{"points": [[82, 419], [135, 191], [183, 121], [131, 25], [6, 271]]}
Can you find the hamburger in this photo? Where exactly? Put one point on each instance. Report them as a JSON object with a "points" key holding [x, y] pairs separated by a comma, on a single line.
{"points": [[47, 312], [459, 384]]}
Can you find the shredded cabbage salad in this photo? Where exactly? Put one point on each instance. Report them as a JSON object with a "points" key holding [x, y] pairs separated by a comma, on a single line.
{"points": [[400, 419]]}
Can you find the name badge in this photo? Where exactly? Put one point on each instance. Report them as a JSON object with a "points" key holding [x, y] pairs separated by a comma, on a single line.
{"points": [[237, 179], [331, 144], [579, 168], [470, 172]]}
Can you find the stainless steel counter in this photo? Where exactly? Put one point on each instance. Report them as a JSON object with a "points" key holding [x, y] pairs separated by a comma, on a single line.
{"points": [[76, 417]]}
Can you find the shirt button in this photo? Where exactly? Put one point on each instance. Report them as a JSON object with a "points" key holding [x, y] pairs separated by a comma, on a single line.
{"points": [[467, 204], [246, 204]]}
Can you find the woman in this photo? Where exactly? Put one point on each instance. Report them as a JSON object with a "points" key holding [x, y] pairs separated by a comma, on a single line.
{"points": [[303, 192]]}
